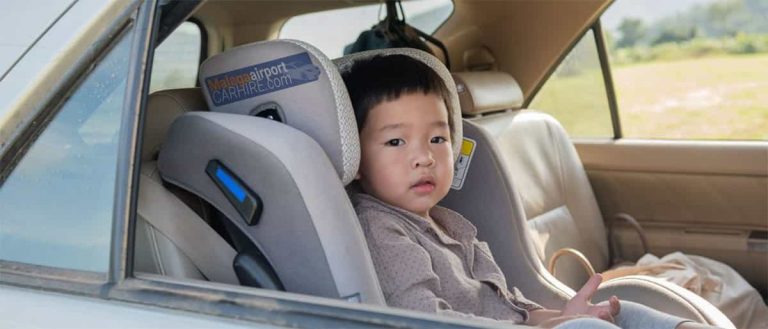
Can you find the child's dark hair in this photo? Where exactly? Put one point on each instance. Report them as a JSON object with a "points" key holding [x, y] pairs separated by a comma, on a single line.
{"points": [[377, 79]]}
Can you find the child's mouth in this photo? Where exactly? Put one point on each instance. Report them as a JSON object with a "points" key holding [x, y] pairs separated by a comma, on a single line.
{"points": [[423, 186]]}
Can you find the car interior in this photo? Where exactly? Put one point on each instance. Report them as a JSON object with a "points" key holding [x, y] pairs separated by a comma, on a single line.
{"points": [[250, 190]]}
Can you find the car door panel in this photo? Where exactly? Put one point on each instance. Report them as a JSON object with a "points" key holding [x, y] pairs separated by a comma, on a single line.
{"points": [[22, 308], [702, 198]]}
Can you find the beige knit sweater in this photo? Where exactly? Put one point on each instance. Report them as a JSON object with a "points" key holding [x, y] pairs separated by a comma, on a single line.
{"points": [[446, 271]]}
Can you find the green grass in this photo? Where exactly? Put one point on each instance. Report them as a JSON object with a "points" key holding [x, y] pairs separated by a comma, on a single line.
{"points": [[579, 102], [723, 98]]}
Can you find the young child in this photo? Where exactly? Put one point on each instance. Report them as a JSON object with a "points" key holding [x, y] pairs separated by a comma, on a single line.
{"points": [[428, 257]]}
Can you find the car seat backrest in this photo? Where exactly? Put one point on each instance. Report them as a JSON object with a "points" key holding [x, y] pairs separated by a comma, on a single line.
{"points": [[155, 252], [495, 208], [488, 200], [540, 160], [279, 184], [163, 107]]}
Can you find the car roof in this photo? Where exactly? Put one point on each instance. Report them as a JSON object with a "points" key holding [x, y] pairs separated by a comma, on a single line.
{"points": [[527, 38]]}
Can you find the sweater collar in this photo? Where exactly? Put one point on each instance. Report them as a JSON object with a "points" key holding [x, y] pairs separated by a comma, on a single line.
{"points": [[456, 227]]}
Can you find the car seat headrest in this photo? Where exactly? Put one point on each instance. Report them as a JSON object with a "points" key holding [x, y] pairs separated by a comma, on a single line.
{"points": [[292, 82], [346, 62], [487, 91], [163, 107]]}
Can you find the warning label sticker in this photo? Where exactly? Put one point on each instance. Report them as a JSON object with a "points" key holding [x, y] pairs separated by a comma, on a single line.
{"points": [[461, 166], [261, 79]]}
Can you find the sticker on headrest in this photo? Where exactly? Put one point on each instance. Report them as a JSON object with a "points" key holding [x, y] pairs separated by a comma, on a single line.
{"points": [[461, 167], [261, 79]]}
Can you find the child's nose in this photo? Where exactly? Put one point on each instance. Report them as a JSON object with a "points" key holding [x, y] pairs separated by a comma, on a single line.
{"points": [[423, 158]]}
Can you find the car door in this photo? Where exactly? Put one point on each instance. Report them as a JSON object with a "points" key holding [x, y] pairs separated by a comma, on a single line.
{"points": [[673, 127]]}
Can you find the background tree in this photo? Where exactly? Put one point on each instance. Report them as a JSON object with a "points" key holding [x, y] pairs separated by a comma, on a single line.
{"points": [[632, 30]]}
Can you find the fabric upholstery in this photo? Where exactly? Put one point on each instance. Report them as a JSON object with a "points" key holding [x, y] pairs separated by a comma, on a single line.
{"points": [[300, 80], [162, 108], [307, 230]]}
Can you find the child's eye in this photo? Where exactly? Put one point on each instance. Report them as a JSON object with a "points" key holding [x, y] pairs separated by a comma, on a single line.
{"points": [[438, 140], [395, 142]]}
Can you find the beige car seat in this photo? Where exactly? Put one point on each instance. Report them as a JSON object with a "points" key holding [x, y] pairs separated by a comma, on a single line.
{"points": [[528, 194], [156, 249]]}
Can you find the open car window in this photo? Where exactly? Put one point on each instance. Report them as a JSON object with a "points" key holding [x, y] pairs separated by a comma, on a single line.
{"points": [[690, 69], [681, 70]]}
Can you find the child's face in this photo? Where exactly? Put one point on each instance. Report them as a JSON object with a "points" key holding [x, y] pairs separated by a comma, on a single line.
{"points": [[407, 159]]}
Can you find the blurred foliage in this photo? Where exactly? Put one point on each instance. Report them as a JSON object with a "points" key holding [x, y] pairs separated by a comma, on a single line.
{"points": [[632, 31], [717, 28], [693, 48]]}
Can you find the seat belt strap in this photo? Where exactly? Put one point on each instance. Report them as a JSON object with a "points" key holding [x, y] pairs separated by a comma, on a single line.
{"points": [[209, 252]]}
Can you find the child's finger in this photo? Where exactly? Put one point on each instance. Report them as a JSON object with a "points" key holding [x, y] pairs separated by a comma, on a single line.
{"points": [[615, 305], [604, 315], [589, 288]]}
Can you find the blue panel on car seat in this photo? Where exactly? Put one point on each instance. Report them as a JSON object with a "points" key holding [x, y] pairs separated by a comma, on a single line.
{"points": [[230, 184], [247, 203]]}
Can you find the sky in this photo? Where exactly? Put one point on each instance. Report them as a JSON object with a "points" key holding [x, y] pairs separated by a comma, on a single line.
{"points": [[649, 10]]}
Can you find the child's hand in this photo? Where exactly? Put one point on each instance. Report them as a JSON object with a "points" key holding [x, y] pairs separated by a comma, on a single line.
{"points": [[580, 303]]}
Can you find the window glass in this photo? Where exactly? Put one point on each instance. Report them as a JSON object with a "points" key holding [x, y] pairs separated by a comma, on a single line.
{"points": [[330, 31], [575, 93], [28, 19], [30, 46], [177, 59], [56, 206], [693, 69]]}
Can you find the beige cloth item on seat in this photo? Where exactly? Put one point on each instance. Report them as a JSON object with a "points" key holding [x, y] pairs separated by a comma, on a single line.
{"points": [[714, 281]]}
